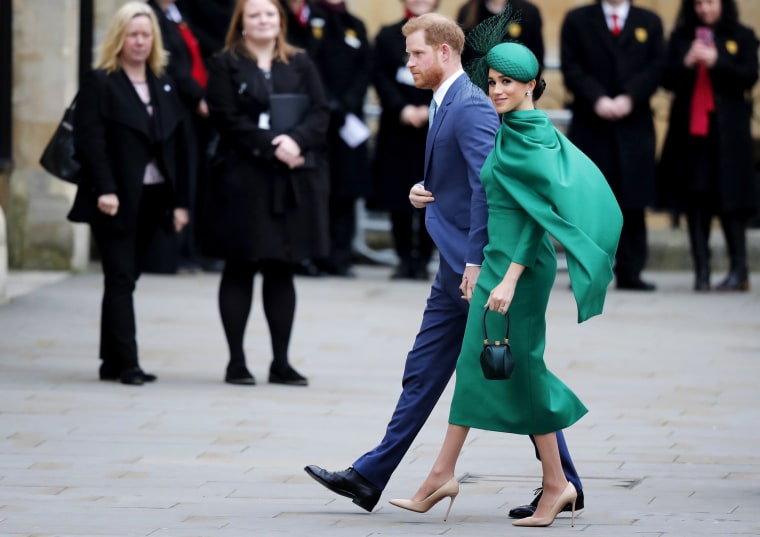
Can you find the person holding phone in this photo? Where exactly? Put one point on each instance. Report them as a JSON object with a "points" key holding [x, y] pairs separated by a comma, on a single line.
{"points": [[706, 167]]}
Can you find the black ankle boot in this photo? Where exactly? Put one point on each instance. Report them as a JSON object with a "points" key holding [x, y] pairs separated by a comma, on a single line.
{"points": [[735, 281], [702, 279]]}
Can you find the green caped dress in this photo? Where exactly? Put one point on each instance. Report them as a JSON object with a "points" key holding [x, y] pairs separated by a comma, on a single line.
{"points": [[537, 184]]}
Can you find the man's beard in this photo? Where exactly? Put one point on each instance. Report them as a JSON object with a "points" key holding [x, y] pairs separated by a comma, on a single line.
{"points": [[431, 78]]}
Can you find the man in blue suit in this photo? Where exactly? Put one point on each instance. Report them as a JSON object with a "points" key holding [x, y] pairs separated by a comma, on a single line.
{"points": [[461, 135]]}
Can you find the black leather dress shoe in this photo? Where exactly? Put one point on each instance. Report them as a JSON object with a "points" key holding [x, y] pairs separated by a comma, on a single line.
{"points": [[634, 284], [347, 483], [135, 377], [131, 375], [524, 511]]}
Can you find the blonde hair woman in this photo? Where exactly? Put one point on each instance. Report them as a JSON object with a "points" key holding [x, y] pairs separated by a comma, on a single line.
{"points": [[129, 137], [111, 58]]}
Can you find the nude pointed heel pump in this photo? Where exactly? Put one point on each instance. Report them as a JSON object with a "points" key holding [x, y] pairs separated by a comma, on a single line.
{"points": [[449, 489], [568, 496]]}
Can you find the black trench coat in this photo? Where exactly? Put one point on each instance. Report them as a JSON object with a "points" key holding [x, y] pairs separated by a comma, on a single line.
{"points": [[257, 207], [732, 78], [115, 139]]}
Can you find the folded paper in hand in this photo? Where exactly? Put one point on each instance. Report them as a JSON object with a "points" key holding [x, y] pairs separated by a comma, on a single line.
{"points": [[354, 131]]}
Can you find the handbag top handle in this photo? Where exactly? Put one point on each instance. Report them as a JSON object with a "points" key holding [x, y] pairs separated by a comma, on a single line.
{"points": [[485, 332]]}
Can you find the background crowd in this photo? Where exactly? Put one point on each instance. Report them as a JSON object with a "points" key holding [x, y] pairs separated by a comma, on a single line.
{"points": [[208, 116]]}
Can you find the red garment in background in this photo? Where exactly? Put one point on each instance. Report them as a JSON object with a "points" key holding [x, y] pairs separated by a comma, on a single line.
{"points": [[197, 70], [303, 15], [702, 103]]}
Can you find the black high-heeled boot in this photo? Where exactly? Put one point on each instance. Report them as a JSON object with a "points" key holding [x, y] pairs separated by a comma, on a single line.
{"points": [[734, 229], [737, 280], [698, 222]]}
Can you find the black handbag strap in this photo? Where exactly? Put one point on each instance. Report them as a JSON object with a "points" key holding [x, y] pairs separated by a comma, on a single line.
{"points": [[485, 331]]}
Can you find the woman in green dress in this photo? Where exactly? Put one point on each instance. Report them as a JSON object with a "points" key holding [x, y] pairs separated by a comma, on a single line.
{"points": [[537, 184]]}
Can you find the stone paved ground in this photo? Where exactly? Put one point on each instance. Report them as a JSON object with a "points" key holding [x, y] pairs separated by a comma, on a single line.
{"points": [[669, 448]]}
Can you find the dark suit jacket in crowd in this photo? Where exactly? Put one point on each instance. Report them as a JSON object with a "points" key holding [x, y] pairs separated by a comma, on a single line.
{"points": [[209, 20], [400, 148], [527, 31], [595, 64], [342, 53], [180, 62], [115, 139]]}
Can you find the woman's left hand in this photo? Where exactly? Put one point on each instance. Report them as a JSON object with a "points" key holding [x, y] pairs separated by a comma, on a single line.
{"points": [[501, 297], [181, 218]]}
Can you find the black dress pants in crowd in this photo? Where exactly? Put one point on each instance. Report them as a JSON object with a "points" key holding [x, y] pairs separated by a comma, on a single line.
{"points": [[121, 253], [631, 254]]}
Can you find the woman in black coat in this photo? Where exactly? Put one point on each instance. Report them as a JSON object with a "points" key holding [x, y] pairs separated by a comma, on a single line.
{"points": [[399, 158], [706, 166], [268, 191], [129, 137]]}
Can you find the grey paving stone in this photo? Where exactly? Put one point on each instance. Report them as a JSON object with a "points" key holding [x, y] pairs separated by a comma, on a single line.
{"points": [[669, 447]]}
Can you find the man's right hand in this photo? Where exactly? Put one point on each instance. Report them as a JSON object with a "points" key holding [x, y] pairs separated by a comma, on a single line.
{"points": [[419, 197]]}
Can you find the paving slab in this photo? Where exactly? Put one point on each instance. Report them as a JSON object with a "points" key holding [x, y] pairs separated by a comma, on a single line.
{"points": [[669, 447]]}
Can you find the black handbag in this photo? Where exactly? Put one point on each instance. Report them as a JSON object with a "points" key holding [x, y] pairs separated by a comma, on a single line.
{"points": [[58, 157], [496, 357]]}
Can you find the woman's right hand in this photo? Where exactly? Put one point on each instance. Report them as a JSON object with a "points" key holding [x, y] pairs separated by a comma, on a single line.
{"points": [[108, 204], [701, 52], [288, 151]]}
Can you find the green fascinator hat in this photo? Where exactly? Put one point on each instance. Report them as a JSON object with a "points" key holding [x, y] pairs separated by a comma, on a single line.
{"points": [[490, 45], [513, 60]]}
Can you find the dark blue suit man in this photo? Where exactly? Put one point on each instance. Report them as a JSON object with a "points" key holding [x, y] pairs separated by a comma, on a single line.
{"points": [[460, 138]]}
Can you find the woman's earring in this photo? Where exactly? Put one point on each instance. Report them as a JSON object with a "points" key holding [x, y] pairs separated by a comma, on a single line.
{"points": [[529, 93]]}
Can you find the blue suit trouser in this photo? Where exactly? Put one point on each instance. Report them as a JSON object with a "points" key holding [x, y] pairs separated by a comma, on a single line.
{"points": [[429, 367]]}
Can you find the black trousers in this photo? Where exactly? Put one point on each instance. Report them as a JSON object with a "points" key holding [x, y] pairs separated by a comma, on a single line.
{"points": [[411, 239], [631, 254], [122, 254], [342, 230]]}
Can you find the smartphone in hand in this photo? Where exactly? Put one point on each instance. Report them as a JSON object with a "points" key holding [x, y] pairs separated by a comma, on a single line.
{"points": [[704, 35]]}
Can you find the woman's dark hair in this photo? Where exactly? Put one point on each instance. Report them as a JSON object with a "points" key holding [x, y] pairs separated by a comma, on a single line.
{"points": [[688, 20], [539, 89]]}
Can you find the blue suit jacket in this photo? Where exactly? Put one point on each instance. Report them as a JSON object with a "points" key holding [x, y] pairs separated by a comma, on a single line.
{"points": [[460, 139]]}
